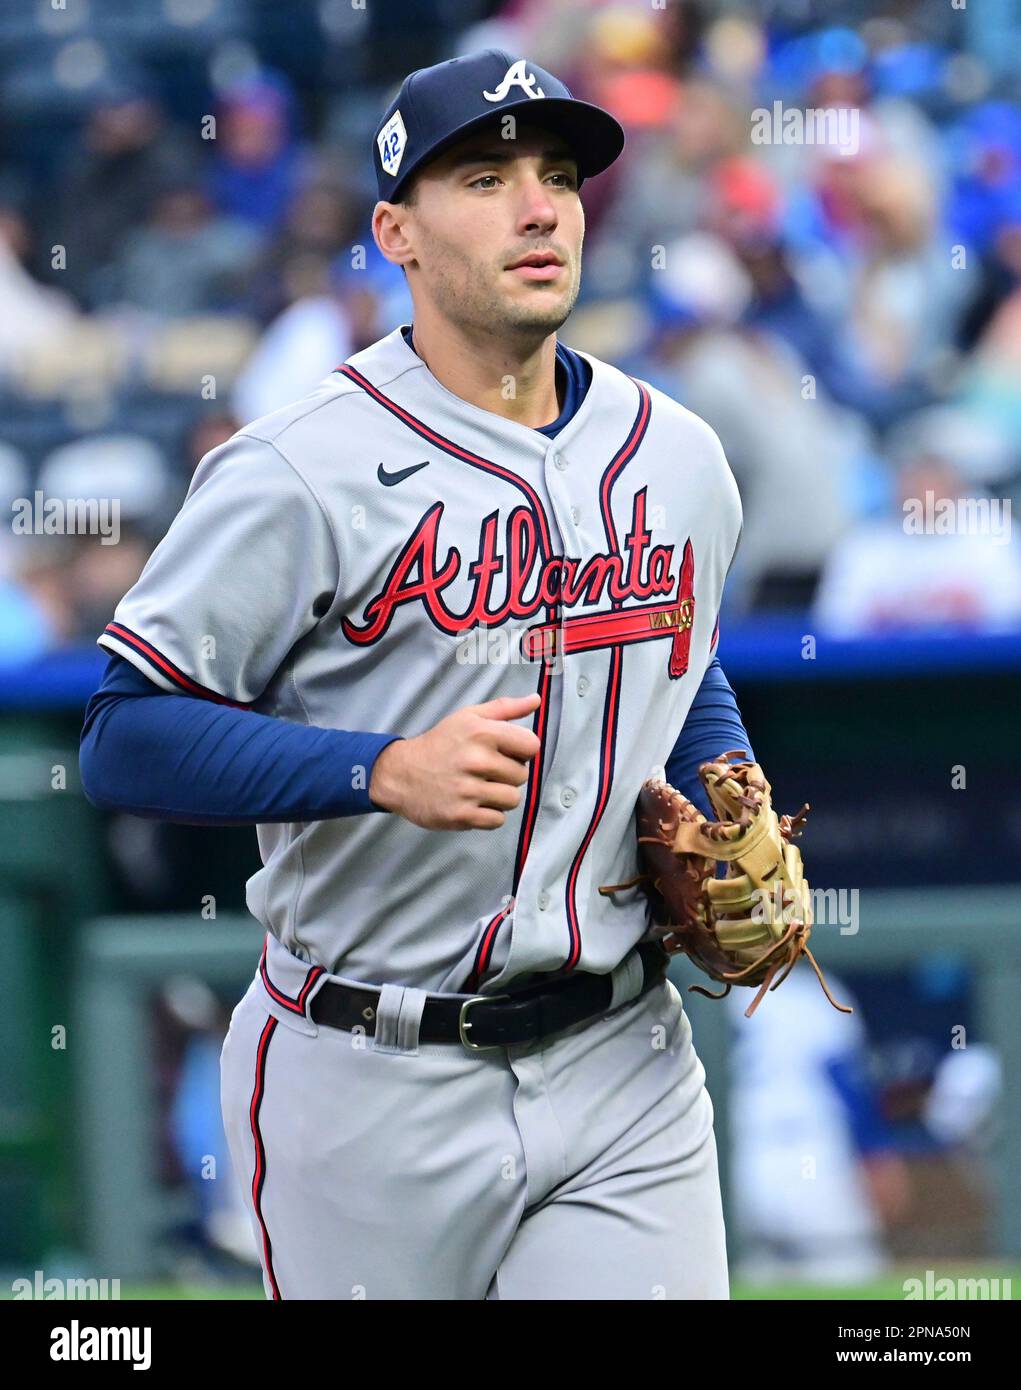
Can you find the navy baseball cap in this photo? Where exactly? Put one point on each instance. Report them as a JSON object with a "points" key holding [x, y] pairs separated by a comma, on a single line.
{"points": [[438, 106]]}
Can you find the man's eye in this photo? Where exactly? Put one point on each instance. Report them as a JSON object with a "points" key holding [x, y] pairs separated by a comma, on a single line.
{"points": [[483, 178], [569, 180]]}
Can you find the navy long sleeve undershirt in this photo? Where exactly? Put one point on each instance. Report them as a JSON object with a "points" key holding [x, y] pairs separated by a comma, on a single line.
{"points": [[179, 758], [713, 726]]}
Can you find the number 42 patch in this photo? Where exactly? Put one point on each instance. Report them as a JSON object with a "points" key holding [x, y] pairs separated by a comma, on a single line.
{"points": [[392, 141]]}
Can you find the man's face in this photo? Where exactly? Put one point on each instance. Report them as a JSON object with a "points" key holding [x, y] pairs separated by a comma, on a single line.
{"points": [[482, 208]]}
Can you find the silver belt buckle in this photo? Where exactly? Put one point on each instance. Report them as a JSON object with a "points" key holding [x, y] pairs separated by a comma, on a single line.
{"points": [[463, 1023]]}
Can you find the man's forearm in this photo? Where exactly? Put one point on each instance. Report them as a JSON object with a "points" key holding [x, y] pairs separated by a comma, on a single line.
{"points": [[171, 757]]}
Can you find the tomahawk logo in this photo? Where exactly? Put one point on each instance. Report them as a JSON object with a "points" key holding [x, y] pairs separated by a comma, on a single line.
{"points": [[516, 75]]}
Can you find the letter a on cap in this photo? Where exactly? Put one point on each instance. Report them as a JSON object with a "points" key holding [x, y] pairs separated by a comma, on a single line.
{"points": [[516, 76], [392, 141]]}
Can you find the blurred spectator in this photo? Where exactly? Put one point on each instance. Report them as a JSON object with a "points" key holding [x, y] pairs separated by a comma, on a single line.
{"points": [[14, 482], [750, 388], [625, 66], [990, 384], [963, 1105], [196, 1122], [129, 476], [745, 208], [661, 190], [321, 221], [126, 469], [1000, 274], [621, 59], [823, 301], [985, 148], [904, 288], [305, 343], [949, 557], [26, 628], [101, 574], [37, 608], [127, 155], [336, 312], [814, 1176], [209, 431], [184, 259], [256, 162], [32, 314]]}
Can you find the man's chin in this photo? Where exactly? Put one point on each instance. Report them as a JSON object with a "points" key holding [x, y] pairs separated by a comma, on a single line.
{"points": [[543, 315]]}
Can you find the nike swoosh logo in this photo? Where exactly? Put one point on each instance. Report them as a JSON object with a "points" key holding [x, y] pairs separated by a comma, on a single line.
{"points": [[391, 479]]}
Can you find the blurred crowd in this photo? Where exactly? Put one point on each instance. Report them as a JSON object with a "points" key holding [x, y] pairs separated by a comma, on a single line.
{"points": [[185, 195], [185, 198]]}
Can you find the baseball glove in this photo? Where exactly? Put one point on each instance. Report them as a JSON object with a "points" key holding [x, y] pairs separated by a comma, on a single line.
{"points": [[751, 926]]}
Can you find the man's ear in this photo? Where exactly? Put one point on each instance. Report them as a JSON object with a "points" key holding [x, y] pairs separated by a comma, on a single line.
{"points": [[389, 227]]}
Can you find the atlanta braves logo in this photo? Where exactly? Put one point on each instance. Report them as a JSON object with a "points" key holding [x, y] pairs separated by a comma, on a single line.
{"points": [[514, 584], [517, 75]]}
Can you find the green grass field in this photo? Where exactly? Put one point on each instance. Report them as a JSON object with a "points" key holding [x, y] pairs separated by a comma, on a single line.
{"points": [[888, 1289]]}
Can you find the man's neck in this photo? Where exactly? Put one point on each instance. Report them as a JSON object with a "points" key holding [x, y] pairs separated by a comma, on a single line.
{"points": [[482, 370]]}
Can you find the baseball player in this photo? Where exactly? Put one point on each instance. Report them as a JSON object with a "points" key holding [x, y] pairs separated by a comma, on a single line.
{"points": [[429, 629]]}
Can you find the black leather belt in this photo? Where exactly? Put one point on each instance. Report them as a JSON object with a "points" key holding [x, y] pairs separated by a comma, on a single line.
{"points": [[498, 1020]]}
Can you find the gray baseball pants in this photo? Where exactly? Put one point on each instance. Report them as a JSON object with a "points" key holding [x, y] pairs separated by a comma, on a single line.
{"points": [[578, 1167]]}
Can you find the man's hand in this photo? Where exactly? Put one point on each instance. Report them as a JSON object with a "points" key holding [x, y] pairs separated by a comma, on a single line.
{"points": [[464, 772]]}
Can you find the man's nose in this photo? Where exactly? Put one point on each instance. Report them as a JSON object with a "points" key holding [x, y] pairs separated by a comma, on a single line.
{"points": [[537, 209]]}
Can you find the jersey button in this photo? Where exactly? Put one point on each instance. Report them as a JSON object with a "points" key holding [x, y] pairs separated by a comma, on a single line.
{"points": [[583, 685], [568, 796], [543, 901], [575, 515], [559, 462]]}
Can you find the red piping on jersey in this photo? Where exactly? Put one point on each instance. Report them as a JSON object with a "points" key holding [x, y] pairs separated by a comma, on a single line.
{"points": [[540, 725], [611, 711], [611, 707], [297, 1004], [540, 720], [167, 667], [634, 439], [485, 951], [448, 446], [259, 1174]]}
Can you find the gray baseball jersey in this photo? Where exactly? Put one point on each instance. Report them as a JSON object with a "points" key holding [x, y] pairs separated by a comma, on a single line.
{"points": [[374, 557], [382, 553]]}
